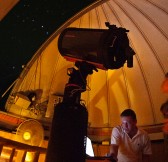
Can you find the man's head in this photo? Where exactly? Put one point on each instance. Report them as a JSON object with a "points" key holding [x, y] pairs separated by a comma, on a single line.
{"points": [[128, 121]]}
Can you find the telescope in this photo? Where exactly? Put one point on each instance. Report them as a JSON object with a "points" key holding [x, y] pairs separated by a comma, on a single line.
{"points": [[104, 48]]}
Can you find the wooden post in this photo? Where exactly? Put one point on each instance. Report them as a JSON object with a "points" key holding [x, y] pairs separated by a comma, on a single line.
{"points": [[1, 148], [24, 156], [36, 156], [12, 155]]}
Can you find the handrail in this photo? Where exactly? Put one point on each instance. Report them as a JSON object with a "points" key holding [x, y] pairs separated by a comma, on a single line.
{"points": [[21, 146]]}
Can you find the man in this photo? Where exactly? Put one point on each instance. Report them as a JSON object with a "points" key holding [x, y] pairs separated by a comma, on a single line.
{"points": [[128, 142]]}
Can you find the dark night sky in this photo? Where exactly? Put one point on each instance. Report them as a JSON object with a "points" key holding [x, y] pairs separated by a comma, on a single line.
{"points": [[25, 28]]}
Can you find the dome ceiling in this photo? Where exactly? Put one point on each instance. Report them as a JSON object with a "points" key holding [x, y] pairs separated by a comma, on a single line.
{"points": [[110, 91]]}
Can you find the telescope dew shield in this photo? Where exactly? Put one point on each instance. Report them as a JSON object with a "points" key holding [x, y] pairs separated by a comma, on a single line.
{"points": [[79, 44]]}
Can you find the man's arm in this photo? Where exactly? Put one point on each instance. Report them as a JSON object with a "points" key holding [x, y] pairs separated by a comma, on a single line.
{"points": [[113, 151]]}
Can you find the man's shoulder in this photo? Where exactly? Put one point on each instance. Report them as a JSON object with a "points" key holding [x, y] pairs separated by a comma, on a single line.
{"points": [[142, 132]]}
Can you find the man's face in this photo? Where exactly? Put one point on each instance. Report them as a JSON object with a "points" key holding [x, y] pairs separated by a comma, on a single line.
{"points": [[128, 124]]}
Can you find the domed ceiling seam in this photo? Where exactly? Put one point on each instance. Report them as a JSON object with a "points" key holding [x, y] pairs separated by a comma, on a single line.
{"points": [[105, 13], [38, 64], [98, 18], [108, 98], [156, 5], [89, 19], [54, 73]]}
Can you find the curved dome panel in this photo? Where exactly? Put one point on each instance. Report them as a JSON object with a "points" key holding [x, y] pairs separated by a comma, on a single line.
{"points": [[111, 91]]}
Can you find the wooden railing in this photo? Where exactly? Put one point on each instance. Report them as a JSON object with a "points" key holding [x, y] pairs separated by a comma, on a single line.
{"points": [[15, 151], [104, 134]]}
